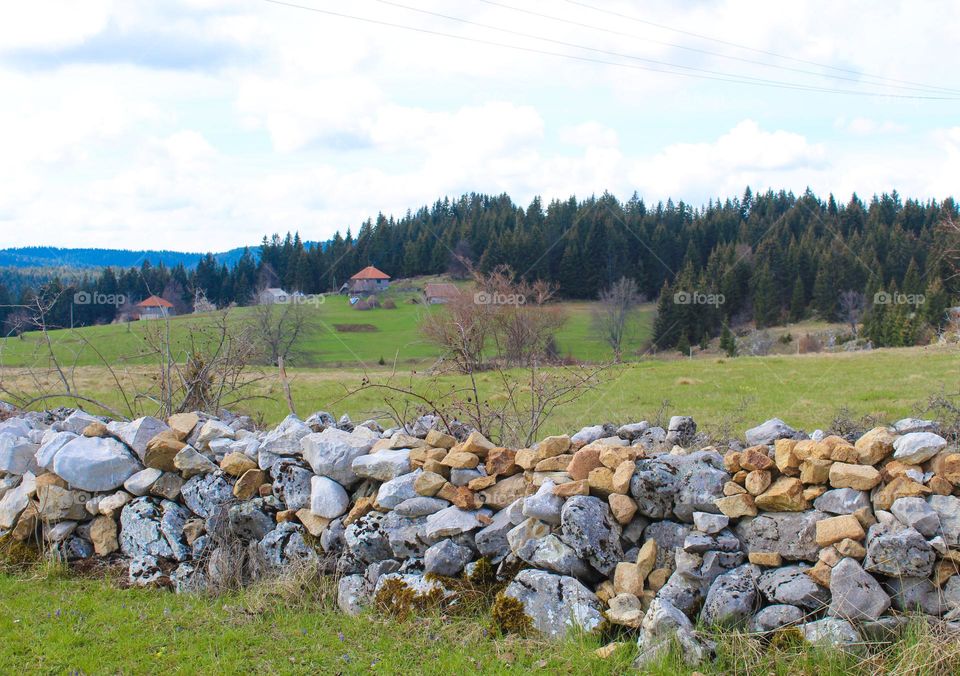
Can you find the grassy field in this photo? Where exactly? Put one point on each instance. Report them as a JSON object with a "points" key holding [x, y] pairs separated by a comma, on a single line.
{"points": [[57, 623], [805, 390], [330, 340]]}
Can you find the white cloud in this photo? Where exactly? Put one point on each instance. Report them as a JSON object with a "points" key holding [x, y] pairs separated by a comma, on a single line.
{"points": [[202, 124]]}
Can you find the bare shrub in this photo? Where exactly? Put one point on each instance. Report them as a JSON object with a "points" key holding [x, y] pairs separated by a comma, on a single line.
{"points": [[611, 320], [809, 343]]}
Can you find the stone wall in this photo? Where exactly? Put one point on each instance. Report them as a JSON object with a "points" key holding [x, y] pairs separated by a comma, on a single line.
{"points": [[632, 525]]}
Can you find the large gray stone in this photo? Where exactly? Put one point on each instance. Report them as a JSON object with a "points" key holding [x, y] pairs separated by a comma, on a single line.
{"points": [[332, 452], [398, 489], [898, 551], [791, 585], [918, 514], [137, 433], [285, 438], [366, 539], [420, 506], [732, 597], [141, 531], [492, 539], [551, 553], [205, 493], [831, 632], [555, 604], [947, 508], [768, 432], [653, 487], [790, 534], [446, 558], [587, 525], [291, 484], [95, 464], [451, 521], [685, 592], [17, 455], [842, 501], [328, 498], [354, 594], [52, 443], [916, 594], [544, 505], [917, 447], [855, 594], [662, 625], [16, 499], [250, 520], [285, 546], [776, 617], [382, 466], [669, 536]]}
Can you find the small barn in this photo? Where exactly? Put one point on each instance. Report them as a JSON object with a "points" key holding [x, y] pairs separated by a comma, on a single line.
{"points": [[439, 293], [154, 307], [272, 295], [369, 280]]}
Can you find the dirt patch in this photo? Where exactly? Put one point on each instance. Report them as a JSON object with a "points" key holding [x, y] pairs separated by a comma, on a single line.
{"points": [[355, 328]]}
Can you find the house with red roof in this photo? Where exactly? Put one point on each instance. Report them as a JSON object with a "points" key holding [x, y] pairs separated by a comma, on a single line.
{"points": [[369, 280], [155, 307]]}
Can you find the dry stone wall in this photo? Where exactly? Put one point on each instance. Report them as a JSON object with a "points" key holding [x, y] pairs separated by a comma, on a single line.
{"points": [[633, 525]]}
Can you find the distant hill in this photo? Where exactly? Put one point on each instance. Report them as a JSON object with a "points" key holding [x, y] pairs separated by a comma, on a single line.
{"points": [[55, 257]]}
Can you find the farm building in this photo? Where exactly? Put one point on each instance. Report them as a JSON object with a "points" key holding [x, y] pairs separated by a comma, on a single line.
{"points": [[154, 307], [272, 295], [438, 293], [369, 280]]}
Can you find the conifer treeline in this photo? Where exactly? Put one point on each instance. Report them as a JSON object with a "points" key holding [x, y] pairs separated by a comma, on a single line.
{"points": [[772, 256]]}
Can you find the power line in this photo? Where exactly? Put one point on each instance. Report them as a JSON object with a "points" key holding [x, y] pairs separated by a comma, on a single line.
{"points": [[579, 24], [754, 49], [719, 77]]}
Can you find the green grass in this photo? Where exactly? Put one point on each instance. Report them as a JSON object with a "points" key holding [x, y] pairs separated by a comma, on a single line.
{"points": [[396, 336], [804, 390], [62, 624]]}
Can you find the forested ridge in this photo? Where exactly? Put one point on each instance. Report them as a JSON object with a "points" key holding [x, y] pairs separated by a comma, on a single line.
{"points": [[772, 257]]}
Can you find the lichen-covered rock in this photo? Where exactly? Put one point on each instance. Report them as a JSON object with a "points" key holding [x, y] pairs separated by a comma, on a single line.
{"points": [[555, 604], [366, 539], [791, 585], [291, 484], [831, 632], [151, 529], [898, 551], [587, 526], [661, 626], [947, 508], [855, 594], [776, 617], [790, 534], [354, 594], [653, 487], [916, 594], [732, 597], [145, 571], [203, 494], [285, 546], [446, 558]]}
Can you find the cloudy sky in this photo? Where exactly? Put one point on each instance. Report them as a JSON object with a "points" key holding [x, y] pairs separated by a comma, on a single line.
{"points": [[204, 124]]}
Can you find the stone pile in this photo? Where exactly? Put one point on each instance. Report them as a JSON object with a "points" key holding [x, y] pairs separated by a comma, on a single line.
{"points": [[632, 525]]}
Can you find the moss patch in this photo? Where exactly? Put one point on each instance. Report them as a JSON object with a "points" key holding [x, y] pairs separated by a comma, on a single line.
{"points": [[509, 617]]}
